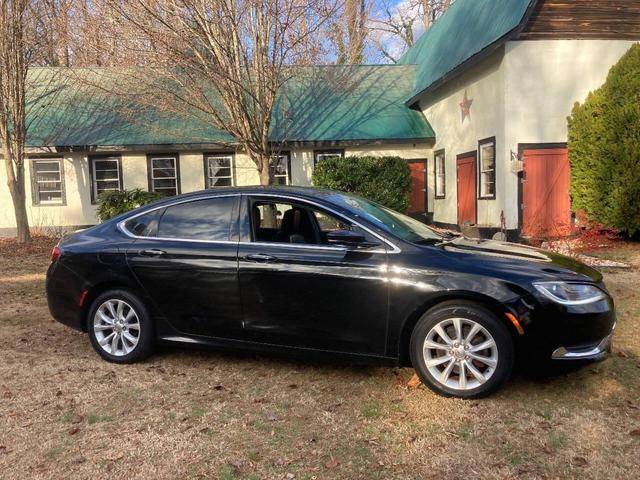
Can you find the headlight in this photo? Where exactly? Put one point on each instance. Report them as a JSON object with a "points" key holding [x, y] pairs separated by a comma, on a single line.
{"points": [[570, 293]]}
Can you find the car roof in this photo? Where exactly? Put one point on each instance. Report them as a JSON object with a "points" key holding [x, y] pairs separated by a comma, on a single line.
{"points": [[308, 192]]}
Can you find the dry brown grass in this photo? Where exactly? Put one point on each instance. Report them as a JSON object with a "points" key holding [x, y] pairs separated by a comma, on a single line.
{"points": [[64, 413]]}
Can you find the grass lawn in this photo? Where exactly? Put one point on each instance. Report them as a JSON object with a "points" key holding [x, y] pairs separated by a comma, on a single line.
{"points": [[66, 413]]}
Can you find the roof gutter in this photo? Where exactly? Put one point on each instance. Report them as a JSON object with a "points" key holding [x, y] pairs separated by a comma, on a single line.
{"points": [[181, 147]]}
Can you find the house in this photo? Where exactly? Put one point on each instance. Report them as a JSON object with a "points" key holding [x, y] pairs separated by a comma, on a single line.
{"points": [[477, 106]]}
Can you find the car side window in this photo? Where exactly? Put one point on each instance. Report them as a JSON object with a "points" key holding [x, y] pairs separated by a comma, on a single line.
{"points": [[208, 219], [329, 223], [144, 225], [277, 222]]}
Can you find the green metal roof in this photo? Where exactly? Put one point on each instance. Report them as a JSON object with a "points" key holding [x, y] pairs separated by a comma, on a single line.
{"points": [[318, 104], [354, 102], [465, 29]]}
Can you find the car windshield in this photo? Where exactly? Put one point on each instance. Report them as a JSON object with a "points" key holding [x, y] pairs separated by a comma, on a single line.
{"points": [[403, 226]]}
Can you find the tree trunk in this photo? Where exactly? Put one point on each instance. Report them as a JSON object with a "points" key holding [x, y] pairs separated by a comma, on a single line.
{"points": [[22, 221], [15, 182], [266, 173], [269, 212]]}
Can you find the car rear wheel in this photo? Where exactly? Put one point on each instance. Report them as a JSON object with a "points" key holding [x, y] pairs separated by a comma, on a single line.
{"points": [[119, 327], [461, 349]]}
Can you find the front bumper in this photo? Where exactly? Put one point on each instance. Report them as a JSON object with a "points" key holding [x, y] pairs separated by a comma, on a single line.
{"points": [[595, 352], [559, 332]]}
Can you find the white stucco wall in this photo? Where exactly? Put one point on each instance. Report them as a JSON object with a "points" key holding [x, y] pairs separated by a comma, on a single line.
{"points": [[484, 85], [191, 172], [522, 93], [78, 209], [543, 80]]}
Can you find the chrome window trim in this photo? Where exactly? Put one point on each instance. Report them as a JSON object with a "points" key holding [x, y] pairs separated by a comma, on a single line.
{"points": [[120, 225], [394, 248]]}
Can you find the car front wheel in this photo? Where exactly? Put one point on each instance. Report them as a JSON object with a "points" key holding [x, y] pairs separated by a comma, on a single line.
{"points": [[119, 327], [461, 349]]}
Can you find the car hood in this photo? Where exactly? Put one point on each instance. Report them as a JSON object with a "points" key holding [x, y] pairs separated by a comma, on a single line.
{"points": [[526, 260]]}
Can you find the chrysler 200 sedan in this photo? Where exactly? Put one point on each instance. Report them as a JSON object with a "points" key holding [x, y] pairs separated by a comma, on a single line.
{"points": [[304, 270]]}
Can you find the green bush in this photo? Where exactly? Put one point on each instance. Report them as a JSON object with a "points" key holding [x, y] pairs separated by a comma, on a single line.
{"points": [[386, 180], [604, 149], [111, 204]]}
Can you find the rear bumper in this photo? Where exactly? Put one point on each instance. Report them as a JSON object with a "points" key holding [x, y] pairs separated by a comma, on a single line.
{"points": [[62, 297]]}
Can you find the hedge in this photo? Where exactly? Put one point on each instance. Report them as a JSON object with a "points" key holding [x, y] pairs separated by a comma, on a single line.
{"points": [[386, 180], [111, 204], [604, 149]]}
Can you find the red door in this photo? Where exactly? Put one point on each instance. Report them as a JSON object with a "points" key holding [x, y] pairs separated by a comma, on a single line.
{"points": [[466, 174], [546, 205], [418, 187]]}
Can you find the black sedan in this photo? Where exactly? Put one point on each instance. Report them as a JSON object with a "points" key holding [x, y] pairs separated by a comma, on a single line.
{"points": [[303, 270]]}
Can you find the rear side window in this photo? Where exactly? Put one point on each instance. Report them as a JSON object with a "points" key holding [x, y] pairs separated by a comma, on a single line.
{"points": [[144, 225], [208, 219]]}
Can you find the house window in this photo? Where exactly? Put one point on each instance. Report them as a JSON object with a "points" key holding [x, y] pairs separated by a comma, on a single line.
{"points": [[106, 175], [218, 170], [439, 174], [487, 169], [164, 175], [320, 155], [47, 181], [281, 169]]}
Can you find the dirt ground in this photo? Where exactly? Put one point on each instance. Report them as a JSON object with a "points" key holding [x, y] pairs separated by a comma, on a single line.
{"points": [[64, 413]]}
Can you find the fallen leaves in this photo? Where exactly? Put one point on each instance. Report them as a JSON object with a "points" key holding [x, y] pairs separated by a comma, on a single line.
{"points": [[331, 463], [414, 382], [580, 461], [635, 432]]}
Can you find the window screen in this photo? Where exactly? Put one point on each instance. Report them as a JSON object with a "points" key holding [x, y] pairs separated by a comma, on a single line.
{"points": [[47, 181], [219, 170], [439, 175], [163, 175], [281, 169], [487, 169], [106, 175]]}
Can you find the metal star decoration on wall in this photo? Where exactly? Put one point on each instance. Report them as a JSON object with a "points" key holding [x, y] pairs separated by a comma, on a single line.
{"points": [[465, 107]]}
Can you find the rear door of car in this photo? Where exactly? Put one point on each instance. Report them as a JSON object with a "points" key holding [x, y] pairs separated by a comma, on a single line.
{"points": [[300, 293], [186, 260]]}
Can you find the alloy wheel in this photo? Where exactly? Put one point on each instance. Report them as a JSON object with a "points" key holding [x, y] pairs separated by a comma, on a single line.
{"points": [[116, 326], [460, 354]]}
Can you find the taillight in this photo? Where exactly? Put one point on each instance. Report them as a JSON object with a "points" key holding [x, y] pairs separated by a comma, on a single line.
{"points": [[55, 253]]}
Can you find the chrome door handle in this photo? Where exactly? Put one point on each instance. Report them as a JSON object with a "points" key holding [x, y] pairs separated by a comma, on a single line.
{"points": [[260, 257], [152, 252]]}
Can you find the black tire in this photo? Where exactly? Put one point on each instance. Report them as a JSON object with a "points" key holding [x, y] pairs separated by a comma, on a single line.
{"points": [[474, 313], [145, 337]]}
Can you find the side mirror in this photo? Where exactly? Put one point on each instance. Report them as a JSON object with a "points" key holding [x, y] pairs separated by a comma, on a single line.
{"points": [[348, 238]]}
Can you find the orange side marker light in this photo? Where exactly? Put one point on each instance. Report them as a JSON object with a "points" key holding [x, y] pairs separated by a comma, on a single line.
{"points": [[512, 318], [82, 298]]}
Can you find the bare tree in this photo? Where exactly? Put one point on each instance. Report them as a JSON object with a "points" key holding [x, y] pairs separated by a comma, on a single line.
{"points": [[349, 32], [26, 94], [221, 61], [396, 25], [14, 61]]}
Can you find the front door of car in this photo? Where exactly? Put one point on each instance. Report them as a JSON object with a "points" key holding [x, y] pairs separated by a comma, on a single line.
{"points": [[186, 261], [298, 290]]}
